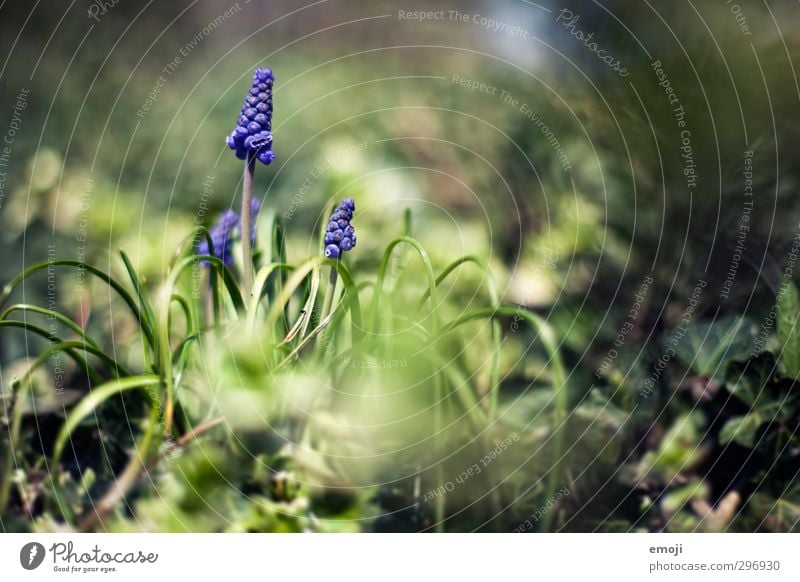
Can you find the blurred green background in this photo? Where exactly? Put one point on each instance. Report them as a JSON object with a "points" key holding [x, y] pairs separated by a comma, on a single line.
{"points": [[128, 107]]}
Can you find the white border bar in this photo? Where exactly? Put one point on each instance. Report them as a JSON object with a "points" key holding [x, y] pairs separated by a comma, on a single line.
{"points": [[409, 557]]}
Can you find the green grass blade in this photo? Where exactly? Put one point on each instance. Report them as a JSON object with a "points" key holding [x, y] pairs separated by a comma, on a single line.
{"points": [[84, 408], [494, 299], [789, 328], [295, 280], [387, 255], [94, 400], [52, 315], [218, 266], [560, 388], [68, 346], [191, 326], [121, 291], [260, 286], [197, 232]]}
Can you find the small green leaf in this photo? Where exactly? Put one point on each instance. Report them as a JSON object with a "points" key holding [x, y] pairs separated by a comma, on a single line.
{"points": [[789, 327], [748, 381], [741, 429], [679, 451], [705, 347], [781, 514], [754, 383], [676, 499]]}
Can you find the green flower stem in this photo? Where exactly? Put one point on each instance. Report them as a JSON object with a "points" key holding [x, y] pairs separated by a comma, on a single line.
{"points": [[327, 305], [329, 292], [407, 223], [247, 220]]}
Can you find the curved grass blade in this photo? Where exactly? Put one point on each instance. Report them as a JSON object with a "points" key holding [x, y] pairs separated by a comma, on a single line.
{"points": [[197, 232], [93, 400], [52, 315], [121, 291], [560, 390], [494, 374], [65, 346], [191, 326], [260, 285], [219, 267], [382, 276], [438, 388], [69, 347], [86, 407], [284, 297]]}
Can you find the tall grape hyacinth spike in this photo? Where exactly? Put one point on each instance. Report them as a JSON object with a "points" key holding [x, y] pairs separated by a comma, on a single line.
{"points": [[340, 236], [252, 140], [253, 132]]}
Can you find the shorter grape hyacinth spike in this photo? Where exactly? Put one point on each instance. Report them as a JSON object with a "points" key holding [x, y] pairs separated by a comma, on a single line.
{"points": [[225, 232], [253, 132], [340, 236], [222, 236]]}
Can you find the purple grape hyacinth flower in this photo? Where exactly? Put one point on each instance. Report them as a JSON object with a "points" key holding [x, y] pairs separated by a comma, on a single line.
{"points": [[253, 132], [222, 237], [340, 236], [225, 232]]}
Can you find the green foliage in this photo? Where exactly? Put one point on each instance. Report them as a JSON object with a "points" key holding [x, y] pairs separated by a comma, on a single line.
{"points": [[769, 397], [289, 411], [707, 346], [789, 328], [287, 396], [679, 451], [778, 514]]}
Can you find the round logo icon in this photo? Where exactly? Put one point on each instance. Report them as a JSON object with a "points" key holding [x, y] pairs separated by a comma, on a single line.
{"points": [[31, 555]]}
